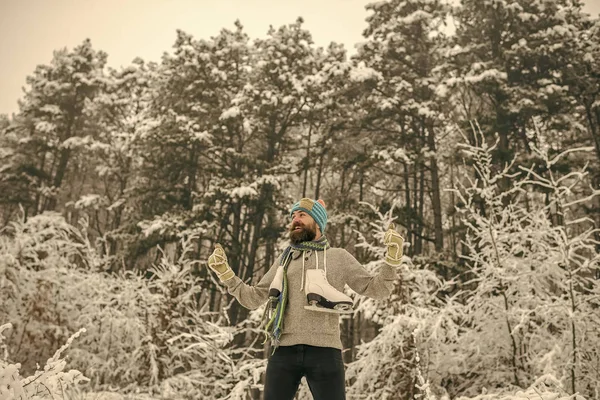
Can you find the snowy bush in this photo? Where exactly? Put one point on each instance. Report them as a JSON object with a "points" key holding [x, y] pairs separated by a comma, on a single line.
{"points": [[48, 241], [546, 387], [149, 333], [532, 298], [50, 383]]}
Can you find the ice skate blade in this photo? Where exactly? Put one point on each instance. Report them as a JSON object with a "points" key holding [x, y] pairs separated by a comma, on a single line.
{"points": [[328, 310]]}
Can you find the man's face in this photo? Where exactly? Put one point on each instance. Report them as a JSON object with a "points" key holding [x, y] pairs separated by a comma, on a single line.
{"points": [[303, 228]]}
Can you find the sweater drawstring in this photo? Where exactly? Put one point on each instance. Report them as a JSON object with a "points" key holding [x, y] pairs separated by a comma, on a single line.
{"points": [[302, 285]]}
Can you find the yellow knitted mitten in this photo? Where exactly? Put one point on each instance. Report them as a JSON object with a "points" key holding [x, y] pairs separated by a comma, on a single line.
{"points": [[218, 263], [394, 242]]}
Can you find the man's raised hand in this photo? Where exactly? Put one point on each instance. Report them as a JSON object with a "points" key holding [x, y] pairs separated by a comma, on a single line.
{"points": [[218, 263]]}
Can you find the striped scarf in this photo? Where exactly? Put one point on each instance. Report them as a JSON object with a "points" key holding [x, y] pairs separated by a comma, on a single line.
{"points": [[274, 327]]}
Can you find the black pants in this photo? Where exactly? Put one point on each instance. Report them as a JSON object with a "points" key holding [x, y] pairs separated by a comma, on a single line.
{"points": [[322, 366]]}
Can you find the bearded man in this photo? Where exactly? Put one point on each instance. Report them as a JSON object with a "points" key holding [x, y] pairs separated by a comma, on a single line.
{"points": [[305, 290]]}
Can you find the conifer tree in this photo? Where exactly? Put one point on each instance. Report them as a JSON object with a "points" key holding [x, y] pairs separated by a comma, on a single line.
{"points": [[402, 51], [53, 121]]}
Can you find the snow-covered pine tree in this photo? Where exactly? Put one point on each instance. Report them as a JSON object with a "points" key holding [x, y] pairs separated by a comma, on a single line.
{"points": [[17, 174], [398, 64], [53, 123], [270, 110], [581, 74], [195, 145], [506, 68], [121, 119]]}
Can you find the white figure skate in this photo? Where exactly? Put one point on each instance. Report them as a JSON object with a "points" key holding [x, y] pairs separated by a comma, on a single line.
{"points": [[322, 296], [276, 286], [277, 283]]}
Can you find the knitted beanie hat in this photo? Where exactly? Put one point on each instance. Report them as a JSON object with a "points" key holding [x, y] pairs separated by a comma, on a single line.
{"points": [[316, 209]]}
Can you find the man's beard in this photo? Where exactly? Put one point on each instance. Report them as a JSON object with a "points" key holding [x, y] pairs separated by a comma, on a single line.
{"points": [[306, 234]]}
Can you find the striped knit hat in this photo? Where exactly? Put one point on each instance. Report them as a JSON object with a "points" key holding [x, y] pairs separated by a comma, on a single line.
{"points": [[316, 209]]}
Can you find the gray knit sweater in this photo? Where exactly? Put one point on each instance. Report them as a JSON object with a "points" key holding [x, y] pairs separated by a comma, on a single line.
{"points": [[302, 326]]}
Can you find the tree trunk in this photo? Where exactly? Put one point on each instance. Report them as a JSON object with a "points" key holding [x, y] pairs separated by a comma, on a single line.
{"points": [[237, 312], [513, 341], [436, 200], [409, 221], [319, 175], [420, 228], [65, 154], [593, 119], [361, 185], [307, 162], [504, 153], [453, 202], [38, 197], [236, 246], [188, 201]]}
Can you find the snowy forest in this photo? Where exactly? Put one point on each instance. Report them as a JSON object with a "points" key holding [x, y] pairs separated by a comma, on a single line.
{"points": [[475, 128]]}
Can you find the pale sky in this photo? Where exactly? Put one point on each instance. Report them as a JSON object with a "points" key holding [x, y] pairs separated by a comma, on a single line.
{"points": [[30, 30]]}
